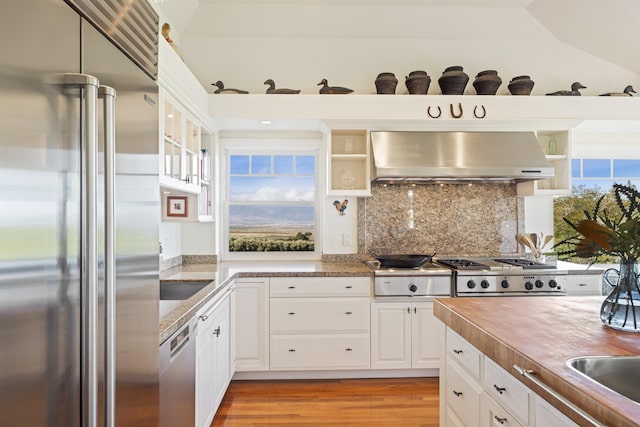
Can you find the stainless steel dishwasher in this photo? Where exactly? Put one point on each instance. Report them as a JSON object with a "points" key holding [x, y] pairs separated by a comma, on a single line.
{"points": [[177, 378]]}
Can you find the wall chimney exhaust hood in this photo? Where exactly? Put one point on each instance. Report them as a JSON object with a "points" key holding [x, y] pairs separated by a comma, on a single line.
{"points": [[428, 157]]}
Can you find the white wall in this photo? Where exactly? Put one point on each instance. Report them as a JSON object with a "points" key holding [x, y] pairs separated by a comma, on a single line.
{"points": [[170, 239], [197, 238], [340, 229]]}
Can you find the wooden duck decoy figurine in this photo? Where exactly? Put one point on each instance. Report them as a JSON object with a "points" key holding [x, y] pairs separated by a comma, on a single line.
{"points": [[575, 90], [221, 88], [332, 89], [272, 89], [626, 92]]}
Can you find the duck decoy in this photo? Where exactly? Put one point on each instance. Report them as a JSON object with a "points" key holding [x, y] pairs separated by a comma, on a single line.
{"points": [[272, 88], [221, 88], [332, 89], [626, 92], [575, 90]]}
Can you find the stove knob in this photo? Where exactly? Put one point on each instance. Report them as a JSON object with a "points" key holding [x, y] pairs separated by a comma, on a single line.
{"points": [[539, 283], [413, 287], [484, 284], [471, 284], [505, 283], [553, 284], [528, 286]]}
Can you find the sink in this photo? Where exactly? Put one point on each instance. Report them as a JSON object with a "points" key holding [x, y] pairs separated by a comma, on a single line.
{"points": [[179, 290], [618, 373]]}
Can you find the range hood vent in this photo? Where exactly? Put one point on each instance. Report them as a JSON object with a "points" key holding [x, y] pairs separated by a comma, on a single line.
{"points": [[428, 157]]}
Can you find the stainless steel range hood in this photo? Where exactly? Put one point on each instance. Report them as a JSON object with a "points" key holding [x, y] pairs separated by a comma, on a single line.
{"points": [[424, 157]]}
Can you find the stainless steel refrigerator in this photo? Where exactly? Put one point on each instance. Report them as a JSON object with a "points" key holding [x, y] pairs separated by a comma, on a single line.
{"points": [[78, 271]]}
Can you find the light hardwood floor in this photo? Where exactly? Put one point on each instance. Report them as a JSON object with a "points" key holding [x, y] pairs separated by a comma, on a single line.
{"points": [[408, 402]]}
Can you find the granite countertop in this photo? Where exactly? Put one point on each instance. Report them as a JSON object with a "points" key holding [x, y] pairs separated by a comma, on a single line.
{"points": [[174, 314], [541, 334]]}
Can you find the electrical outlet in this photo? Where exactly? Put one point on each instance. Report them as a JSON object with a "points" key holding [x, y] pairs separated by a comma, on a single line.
{"points": [[346, 239]]}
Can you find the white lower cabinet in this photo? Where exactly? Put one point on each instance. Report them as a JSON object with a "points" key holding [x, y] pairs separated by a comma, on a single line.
{"points": [[404, 335], [251, 324], [213, 368], [584, 284], [319, 323], [477, 392], [493, 415]]}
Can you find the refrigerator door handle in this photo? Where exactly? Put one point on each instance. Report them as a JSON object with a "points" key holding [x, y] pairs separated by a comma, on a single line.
{"points": [[107, 95], [88, 85]]}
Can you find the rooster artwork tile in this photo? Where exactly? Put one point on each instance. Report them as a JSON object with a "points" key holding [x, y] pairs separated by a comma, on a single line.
{"points": [[341, 207]]}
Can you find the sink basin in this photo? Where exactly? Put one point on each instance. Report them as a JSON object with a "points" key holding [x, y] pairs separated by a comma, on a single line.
{"points": [[618, 373], [180, 289]]}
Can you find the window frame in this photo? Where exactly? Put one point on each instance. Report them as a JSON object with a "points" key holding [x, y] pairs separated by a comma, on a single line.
{"points": [[271, 147]]}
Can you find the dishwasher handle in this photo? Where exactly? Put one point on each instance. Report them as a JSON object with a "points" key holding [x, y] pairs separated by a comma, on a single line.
{"points": [[179, 341]]}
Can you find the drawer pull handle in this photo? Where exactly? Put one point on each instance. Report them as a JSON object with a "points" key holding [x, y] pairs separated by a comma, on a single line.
{"points": [[292, 287], [348, 312], [348, 349], [291, 313], [348, 287], [457, 351], [457, 393], [499, 389], [203, 317], [582, 284], [500, 420], [292, 350]]}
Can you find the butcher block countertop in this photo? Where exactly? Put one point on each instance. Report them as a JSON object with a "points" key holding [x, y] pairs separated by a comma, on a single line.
{"points": [[175, 313], [541, 334]]}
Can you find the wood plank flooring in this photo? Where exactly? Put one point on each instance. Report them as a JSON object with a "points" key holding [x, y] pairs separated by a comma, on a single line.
{"points": [[407, 402]]}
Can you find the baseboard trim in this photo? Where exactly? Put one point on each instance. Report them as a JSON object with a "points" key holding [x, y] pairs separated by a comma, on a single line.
{"points": [[306, 375]]}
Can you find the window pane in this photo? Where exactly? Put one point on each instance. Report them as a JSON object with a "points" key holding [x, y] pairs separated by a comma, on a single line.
{"points": [[596, 168], [305, 165], [260, 165], [271, 228], [272, 188], [575, 168], [239, 165], [626, 168], [283, 165]]}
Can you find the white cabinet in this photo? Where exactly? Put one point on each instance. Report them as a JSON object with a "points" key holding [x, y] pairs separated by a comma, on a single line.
{"points": [[179, 146], [557, 148], [404, 335], [212, 358], [584, 284], [319, 323], [477, 392], [348, 164], [252, 324]]}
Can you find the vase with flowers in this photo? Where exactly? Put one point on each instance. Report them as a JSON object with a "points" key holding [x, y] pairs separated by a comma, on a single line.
{"points": [[536, 243], [614, 231]]}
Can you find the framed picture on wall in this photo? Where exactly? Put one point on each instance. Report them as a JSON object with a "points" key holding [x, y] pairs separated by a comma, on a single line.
{"points": [[177, 206]]}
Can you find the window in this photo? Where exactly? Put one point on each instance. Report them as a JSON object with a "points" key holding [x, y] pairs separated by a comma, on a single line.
{"points": [[603, 173], [272, 208]]}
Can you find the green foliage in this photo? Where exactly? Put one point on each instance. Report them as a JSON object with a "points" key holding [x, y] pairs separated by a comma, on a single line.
{"points": [[598, 225], [301, 243]]}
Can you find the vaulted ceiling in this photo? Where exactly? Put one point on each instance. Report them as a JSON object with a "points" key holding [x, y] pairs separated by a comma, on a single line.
{"points": [[298, 42]]}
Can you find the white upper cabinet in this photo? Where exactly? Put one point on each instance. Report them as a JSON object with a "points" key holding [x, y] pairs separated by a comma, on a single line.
{"points": [[557, 148], [348, 164]]}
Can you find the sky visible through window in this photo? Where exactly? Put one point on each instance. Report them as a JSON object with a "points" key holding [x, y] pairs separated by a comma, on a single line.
{"points": [[603, 173], [271, 202]]}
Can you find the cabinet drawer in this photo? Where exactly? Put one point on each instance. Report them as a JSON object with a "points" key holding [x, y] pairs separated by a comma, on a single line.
{"points": [[463, 395], [320, 286], [465, 354], [506, 390], [584, 284], [319, 315], [494, 415], [321, 351]]}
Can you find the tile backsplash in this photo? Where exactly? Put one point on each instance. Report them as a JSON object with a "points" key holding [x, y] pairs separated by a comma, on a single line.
{"points": [[450, 219]]}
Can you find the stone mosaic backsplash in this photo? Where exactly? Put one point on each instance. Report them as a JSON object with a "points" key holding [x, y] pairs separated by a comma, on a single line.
{"points": [[450, 219]]}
